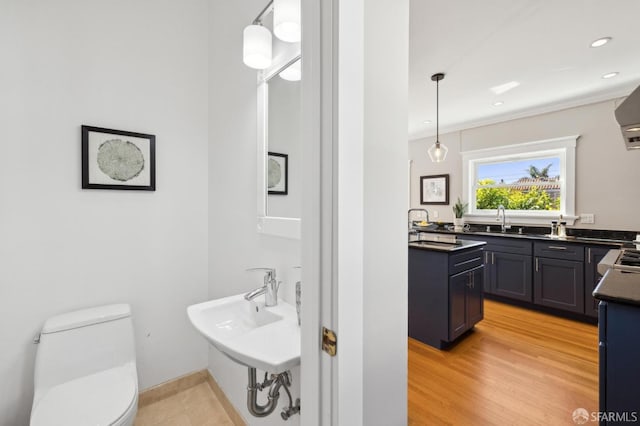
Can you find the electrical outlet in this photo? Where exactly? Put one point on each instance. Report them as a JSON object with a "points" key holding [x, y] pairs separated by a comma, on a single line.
{"points": [[587, 218], [435, 214]]}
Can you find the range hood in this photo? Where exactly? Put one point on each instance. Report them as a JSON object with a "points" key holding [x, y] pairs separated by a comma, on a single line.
{"points": [[628, 116]]}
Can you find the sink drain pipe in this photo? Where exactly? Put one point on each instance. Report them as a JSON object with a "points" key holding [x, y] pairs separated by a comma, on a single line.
{"points": [[275, 383]]}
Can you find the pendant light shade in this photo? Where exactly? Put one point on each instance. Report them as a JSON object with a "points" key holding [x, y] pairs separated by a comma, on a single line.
{"points": [[256, 49], [286, 20], [437, 152], [293, 72]]}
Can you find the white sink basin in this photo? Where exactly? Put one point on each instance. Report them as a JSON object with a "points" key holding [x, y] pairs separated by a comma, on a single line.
{"points": [[250, 333]]}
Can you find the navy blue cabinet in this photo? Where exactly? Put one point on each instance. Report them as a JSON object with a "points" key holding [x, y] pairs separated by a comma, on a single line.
{"points": [[619, 349], [507, 263], [593, 255], [510, 276], [445, 294], [558, 279]]}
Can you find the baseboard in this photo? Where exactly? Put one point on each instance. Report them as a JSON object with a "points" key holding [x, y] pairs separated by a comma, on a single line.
{"points": [[235, 417], [172, 387]]}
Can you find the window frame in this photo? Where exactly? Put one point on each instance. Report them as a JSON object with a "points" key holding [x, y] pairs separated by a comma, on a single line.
{"points": [[563, 147]]}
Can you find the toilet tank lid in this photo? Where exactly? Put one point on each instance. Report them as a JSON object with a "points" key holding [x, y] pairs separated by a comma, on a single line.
{"points": [[85, 317]]}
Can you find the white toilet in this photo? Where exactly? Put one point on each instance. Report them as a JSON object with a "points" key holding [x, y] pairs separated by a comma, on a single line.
{"points": [[86, 369]]}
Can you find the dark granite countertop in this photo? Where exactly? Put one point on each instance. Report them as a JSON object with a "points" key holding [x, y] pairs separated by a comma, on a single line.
{"points": [[619, 286], [581, 236], [446, 247]]}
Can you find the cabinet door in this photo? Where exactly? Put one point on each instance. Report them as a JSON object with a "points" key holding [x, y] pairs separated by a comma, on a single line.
{"points": [[458, 304], [475, 299], [511, 276], [559, 284], [593, 256]]}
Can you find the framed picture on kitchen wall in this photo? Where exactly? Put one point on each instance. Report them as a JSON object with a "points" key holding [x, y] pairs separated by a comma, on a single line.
{"points": [[118, 159], [277, 173], [434, 189]]}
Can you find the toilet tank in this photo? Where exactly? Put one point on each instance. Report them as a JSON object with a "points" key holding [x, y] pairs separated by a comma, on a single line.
{"points": [[84, 342]]}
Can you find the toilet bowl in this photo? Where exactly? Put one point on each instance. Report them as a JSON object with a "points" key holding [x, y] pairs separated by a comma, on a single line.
{"points": [[86, 370]]}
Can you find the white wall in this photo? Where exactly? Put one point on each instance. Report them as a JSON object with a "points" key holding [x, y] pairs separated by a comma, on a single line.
{"points": [[605, 171], [132, 65], [386, 58], [234, 243]]}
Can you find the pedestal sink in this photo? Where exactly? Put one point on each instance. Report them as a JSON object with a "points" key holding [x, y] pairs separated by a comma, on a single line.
{"points": [[267, 338]]}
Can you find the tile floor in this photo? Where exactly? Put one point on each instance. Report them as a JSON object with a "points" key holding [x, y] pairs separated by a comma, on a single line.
{"points": [[195, 406]]}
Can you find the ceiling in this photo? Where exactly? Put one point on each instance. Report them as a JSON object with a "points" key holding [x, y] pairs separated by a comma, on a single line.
{"points": [[543, 45]]}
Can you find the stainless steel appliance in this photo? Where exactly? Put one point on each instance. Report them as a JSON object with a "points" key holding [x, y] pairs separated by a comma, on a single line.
{"points": [[628, 116]]}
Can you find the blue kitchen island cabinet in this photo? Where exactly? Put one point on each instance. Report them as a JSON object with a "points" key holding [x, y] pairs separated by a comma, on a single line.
{"points": [[445, 291], [619, 347]]}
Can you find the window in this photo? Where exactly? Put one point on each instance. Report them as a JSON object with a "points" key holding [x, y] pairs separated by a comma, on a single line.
{"points": [[534, 181]]}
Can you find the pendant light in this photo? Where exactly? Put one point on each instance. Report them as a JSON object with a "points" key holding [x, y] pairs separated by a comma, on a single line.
{"points": [[437, 152], [256, 47], [286, 20]]}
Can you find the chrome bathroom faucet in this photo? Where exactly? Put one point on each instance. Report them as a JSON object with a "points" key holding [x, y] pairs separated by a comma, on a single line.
{"points": [[269, 289]]}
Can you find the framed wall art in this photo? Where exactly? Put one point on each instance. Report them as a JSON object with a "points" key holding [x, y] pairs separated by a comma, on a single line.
{"points": [[434, 189], [117, 159], [277, 173]]}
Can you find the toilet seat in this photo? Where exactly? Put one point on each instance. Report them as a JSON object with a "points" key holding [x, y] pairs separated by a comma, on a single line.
{"points": [[100, 399]]}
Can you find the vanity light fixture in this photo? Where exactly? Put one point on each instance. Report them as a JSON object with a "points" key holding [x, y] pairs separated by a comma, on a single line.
{"points": [[609, 75], [293, 72], [437, 152], [257, 51], [600, 42]]}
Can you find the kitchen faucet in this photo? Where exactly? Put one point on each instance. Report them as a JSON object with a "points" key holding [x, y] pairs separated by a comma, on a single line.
{"points": [[411, 229], [269, 289], [504, 225]]}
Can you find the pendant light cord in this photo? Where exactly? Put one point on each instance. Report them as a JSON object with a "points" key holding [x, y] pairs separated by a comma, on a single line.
{"points": [[438, 112]]}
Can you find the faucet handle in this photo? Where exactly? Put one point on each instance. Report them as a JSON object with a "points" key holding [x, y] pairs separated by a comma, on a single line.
{"points": [[270, 272]]}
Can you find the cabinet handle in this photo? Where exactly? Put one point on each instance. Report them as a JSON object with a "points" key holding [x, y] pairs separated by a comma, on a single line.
{"points": [[589, 255], [556, 248], [493, 258], [537, 265], [486, 257]]}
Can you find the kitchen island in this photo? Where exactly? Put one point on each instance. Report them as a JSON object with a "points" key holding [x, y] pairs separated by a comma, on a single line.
{"points": [[619, 346], [445, 290]]}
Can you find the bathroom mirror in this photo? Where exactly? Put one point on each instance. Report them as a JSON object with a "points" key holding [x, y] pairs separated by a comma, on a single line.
{"points": [[279, 148]]}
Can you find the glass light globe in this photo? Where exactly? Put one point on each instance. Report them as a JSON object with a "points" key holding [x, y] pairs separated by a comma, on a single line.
{"points": [[438, 152], [286, 20], [293, 72], [256, 47]]}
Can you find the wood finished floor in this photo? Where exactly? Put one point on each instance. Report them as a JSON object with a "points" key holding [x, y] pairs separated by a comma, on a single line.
{"points": [[518, 367]]}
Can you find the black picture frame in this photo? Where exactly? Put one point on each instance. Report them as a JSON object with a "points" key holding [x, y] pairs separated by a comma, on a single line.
{"points": [[434, 189], [118, 159], [277, 169]]}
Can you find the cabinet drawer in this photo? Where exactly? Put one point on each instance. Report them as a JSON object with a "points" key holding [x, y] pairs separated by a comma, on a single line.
{"points": [[464, 261], [505, 244], [559, 250]]}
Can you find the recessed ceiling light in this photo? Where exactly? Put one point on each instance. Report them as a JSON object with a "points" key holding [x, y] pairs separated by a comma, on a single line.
{"points": [[601, 42], [426, 122], [610, 75], [498, 103], [499, 90]]}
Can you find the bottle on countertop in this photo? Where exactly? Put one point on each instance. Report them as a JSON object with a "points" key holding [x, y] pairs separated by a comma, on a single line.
{"points": [[562, 230], [554, 228]]}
